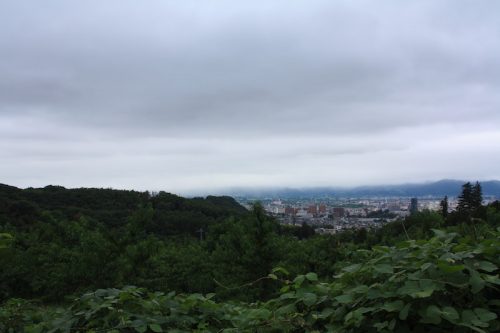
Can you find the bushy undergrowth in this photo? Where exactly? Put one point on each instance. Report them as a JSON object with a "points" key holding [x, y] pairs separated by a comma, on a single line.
{"points": [[448, 283]]}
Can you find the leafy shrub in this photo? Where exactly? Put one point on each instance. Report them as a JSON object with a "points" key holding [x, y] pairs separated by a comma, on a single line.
{"points": [[446, 284]]}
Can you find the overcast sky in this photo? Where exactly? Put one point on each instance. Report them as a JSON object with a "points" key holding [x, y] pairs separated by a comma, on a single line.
{"points": [[195, 96]]}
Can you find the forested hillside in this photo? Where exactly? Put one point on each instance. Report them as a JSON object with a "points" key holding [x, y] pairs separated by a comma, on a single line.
{"points": [[99, 260]]}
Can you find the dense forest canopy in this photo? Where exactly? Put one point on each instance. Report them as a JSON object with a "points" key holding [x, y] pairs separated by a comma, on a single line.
{"points": [[208, 264]]}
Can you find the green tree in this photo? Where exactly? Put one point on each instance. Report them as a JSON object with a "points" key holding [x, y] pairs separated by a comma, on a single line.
{"points": [[470, 202], [465, 199], [245, 250], [444, 206], [305, 231], [476, 196]]}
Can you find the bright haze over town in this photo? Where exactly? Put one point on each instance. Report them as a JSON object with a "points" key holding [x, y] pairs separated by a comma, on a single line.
{"points": [[199, 96]]}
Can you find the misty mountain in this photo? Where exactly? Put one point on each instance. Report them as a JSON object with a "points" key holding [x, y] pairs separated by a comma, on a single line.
{"points": [[435, 189]]}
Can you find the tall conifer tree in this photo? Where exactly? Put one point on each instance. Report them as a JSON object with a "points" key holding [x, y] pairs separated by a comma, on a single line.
{"points": [[477, 196], [465, 199], [444, 206]]}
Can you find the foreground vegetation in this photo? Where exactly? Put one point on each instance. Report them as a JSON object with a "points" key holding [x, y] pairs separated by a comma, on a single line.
{"points": [[68, 267]]}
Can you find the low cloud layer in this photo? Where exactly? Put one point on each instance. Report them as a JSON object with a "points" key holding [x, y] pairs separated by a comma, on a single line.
{"points": [[189, 96]]}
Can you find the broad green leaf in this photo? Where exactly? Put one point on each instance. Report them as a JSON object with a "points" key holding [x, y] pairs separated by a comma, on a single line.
{"points": [[280, 270], [344, 299], [327, 312], [141, 329], [373, 294], [424, 293], [155, 328], [403, 314], [492, 279], [352, 268], [440, 233], [425, 266], [431, 315], [381, 326], [485, 315], [284, 289], [470, 317], [289, 308], [312, 276], [409, 288], [357, 315], [384, 268], [449, 313], [420, 289], [299, 280], [309, 299], [288, 295], [260, 313], [477, 284], [272, 276], [487, 266], [393, 306], [361, 289]]}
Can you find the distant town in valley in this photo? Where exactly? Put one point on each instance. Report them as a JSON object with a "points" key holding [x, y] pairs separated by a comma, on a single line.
{"points": [[329, 214]]}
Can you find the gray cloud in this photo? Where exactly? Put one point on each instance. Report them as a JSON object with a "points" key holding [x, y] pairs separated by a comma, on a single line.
{"points": [[184, 95]]}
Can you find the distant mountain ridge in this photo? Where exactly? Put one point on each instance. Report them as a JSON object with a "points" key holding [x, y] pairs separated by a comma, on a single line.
{"points": [[439, 188]]}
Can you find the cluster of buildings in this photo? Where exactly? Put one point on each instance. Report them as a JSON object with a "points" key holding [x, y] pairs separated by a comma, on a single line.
{"points": [[330, 215]]}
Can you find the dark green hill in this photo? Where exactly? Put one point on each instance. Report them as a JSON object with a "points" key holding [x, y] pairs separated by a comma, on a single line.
{"points": [[112, 207]]}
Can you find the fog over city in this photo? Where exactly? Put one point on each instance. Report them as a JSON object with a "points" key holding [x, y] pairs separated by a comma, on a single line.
{"points": [[189, 96]]}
